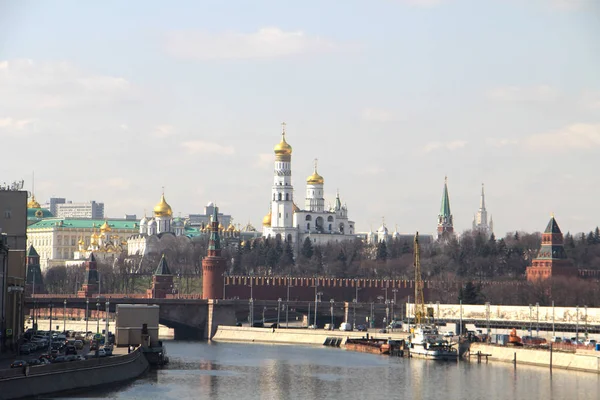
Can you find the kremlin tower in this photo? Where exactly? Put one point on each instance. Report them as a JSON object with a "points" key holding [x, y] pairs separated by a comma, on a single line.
{"points": [[445, 228], [90, 283], [552, 259], [480, 220], [213, 265]]}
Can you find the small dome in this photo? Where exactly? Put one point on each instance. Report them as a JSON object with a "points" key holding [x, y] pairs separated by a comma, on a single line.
{"points": [[144, 221], [267, 219], [105, 227], [177, 222], [383, 229], [315, 179], [231, 228], [210, 204], [33, 203], [221, 227], [162, 209]]}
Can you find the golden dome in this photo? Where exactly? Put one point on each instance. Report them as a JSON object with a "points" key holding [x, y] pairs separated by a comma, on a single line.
{"points": [[105, 227], [231, 228], [267, 219], [32, 203], [315, 179], [221, 227], [81, 242], [163, 209], [283, 150]]}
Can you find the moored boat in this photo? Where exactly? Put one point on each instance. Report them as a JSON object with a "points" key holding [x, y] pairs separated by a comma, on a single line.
{"points": [[426, 342]]}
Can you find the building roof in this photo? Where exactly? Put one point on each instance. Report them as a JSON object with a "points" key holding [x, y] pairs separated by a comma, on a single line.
{"points": [[552, 226], [445, 208], [84, 223], [31, 252], [38, 213], [163, 267]]}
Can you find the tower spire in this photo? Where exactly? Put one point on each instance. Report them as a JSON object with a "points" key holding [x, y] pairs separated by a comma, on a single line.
{"points": [[445, 226], [482, 200]]}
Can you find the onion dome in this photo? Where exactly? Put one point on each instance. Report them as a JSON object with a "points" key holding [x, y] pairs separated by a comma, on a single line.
{"points": [[33, 203], [267, 219], [162, 209], [283, 151], [231, 228], [315, 179], [221, 227], [105, 227], [81, 242]]}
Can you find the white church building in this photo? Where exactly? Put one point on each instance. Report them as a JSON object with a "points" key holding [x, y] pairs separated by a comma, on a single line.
{"points": [[286, 221]]}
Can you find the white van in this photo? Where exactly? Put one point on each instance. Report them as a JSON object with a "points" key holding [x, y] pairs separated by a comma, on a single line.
{"points": [[345, 326]]}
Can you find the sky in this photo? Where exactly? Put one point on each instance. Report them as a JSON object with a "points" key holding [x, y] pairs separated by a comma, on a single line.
{"points": [[112, 101]]}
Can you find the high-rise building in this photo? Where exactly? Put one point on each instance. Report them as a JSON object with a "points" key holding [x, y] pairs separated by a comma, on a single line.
{"points": [[90, 210], [13, 271], [480, 220], [445, 227], [53, 203]]}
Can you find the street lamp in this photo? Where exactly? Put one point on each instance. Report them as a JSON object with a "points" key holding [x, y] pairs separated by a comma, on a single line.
{"points": [[278, 310], [87, 315], [107, 309], [65, 315], [98, 317], [251, 314], [316, 301], [537, 316], [50, 330], [287, 303], [387, 311], [530, 317], [393, 315], [263, 315], [354, 316], [331, 301]]}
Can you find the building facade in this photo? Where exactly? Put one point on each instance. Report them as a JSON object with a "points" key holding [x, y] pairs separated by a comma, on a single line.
{"points": [[480, 220], [13, 270], [89, 209], [202, 221], [286, 221]]}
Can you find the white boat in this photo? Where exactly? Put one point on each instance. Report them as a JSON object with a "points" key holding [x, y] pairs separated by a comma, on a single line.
{"points": [[426, 342]]}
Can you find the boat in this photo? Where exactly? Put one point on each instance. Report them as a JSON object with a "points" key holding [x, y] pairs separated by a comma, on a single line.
{"points": [[426, 342], [376, 346]]}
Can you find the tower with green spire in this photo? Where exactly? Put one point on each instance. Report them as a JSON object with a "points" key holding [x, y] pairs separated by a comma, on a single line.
{"points": [[445, 228], [34, 283]]}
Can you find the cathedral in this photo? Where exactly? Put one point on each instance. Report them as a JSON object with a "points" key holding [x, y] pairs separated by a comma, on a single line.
{"points": [[286, 221]]}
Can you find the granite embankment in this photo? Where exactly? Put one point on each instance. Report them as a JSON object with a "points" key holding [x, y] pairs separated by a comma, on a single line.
{"points": [[587, 360], [39, 380], [291, 336]]}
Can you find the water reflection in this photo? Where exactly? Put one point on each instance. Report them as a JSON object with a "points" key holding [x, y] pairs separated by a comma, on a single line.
{"points": [[243, 371]]}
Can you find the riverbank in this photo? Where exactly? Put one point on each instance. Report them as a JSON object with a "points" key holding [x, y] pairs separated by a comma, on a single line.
{"points": [[586, 361], [35, 381], [292, 336], [164, 332]]}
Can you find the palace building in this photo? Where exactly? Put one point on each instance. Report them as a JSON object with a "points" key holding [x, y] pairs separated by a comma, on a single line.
{"points": [[286, 221]]}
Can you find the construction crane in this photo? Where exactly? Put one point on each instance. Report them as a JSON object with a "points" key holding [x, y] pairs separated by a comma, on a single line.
{"points": [[419, 298]]}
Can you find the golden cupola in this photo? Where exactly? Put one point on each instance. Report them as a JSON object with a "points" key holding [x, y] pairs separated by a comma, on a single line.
{"points": [[105, 227], [33, 203], [283, 151], [315, 178], [267, 219], [163, 209]]}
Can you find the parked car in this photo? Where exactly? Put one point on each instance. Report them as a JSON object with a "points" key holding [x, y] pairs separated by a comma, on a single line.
{"points": [[108, 350], [101, 353], [449, 334], [25, 349], [45, 356], [590, 342], [78, 344], [557, 339], [362, 328], [33, 361], [18, 364], [71, 358], [70, 350], [59, 359]]}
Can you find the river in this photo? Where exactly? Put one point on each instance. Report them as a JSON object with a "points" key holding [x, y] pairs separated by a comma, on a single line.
{"points": [[200, 370]]}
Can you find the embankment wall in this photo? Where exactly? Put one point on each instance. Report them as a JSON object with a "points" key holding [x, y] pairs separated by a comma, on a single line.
{"points": [[588, 361], [290, 336], [39, 380]]}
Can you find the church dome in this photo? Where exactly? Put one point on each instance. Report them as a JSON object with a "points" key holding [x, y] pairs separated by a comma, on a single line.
{"points": [[383, 229], [315, 179], [267, 219], [105, 227], [33, 203], [144, 221], [162, 209], [231, 228], [283, 148]]}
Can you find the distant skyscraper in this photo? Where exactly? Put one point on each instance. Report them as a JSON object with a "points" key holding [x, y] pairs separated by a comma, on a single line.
{"points": [[445, 228], [53, 202], [480, 220], [91, 210]]}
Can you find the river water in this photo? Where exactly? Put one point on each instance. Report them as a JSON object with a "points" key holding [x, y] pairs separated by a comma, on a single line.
{"points": [[199, 370]]}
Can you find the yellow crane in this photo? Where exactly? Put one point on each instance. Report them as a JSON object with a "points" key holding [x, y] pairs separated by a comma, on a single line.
{"points": [[419, 298]]}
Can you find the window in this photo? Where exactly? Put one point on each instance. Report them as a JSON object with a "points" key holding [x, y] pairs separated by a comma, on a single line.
{"points": [[308, 218], [279, 196], [287, 196], [308, 226], [330, 227], [330, 219]]}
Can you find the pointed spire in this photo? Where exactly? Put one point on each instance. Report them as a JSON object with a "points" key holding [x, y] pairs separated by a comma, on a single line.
{"points": [[92, 257], [163, 267], [338, 202], [445, 208], [31, 252], [552, 226], [214, 242], [482, 201]]}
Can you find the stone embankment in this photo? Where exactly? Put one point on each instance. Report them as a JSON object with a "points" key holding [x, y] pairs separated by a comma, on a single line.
{"points": [[34, 381], [291, 336], [587, 361]]}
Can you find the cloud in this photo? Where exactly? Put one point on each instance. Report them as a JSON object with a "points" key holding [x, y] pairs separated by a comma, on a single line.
{"points": [[264, 160], [575, 136], [266, 43], [540, 93], [162, 131], [453, 145], [12, 125], [381, 115], [501, 142], [26, 84], [202, 147]]}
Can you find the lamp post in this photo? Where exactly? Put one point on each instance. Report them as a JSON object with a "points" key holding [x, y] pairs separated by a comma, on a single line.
{"points": [[251, 313], [393, 315], [394, 291], [577, 326], [107, 309], [287, 303], [316, 301], [530, 318], [408, 313], [331, 301], [278, 310], [87, 314], [553, 330], [65, 315], [387, 312], [354, 314], [50, 330], [263, 315], [537, 317], [98, 317]]}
